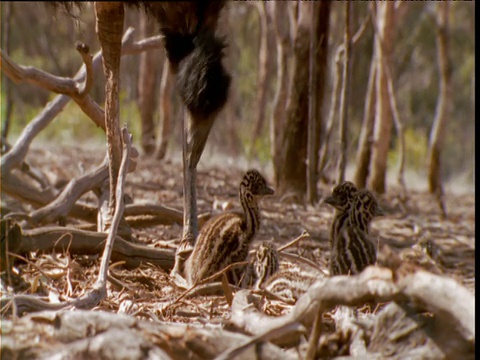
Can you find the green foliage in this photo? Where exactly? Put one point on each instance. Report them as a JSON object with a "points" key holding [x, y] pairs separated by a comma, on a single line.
{"points": [[260, 150], [72, 126], [416, 148]]}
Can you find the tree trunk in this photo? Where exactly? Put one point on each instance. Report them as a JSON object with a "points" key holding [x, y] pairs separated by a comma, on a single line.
{"points": [[232, 140], [345, 95], [8, 8], [262, 78], [109, 27], [442, 110], [147, 85], [383, 115], [312, 111], [279, 14], [292, 172], [364, 151], [322, 29], [165, 111], [318, 74]]}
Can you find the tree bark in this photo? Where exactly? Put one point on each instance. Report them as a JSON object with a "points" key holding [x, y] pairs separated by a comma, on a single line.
{"points": [[262, 77], [8, 9], [292, 172], [147, 84], [442, 110], [165, 110], [345, 96], [109, 27], [364, 151], [322, 29], [279, 14], [312, 111], [385, 20]]}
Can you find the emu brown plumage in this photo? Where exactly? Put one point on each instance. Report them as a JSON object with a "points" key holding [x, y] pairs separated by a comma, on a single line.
{"points": [[264, 264], [353, 249], [195, 54], [226, 238], [341, 199]]}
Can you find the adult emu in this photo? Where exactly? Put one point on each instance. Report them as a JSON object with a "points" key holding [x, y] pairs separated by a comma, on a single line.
{"points": [[195, 54]]}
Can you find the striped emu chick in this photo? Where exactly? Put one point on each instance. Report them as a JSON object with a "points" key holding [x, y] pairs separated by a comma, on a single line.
{"points": [[292, 281], [352, 248], [263, 266], [341, 199], [423, 253], [226, 239]]}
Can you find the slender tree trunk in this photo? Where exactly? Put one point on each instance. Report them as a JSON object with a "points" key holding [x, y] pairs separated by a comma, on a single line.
{"points": [[165, 111], [7, 7], [364, 151], [262, 77], [385, 20], [312, 158], [148, 74], [318, 73], [232, 141], [109, 27], [322, 30], [345, 95], [292, 173], [335, 95], [442, 110], [279, 14], [332, 111]]}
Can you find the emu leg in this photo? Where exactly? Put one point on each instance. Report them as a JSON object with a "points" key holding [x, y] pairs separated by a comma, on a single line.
{"points": [[195, 135], [109, 27]]}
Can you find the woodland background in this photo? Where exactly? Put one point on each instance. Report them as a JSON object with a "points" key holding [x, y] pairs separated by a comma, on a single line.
{"points": [[256, 34], [399, 117]]}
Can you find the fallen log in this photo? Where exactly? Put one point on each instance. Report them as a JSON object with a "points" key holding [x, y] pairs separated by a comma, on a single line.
{"points": [[98, 334], [81, 242]]}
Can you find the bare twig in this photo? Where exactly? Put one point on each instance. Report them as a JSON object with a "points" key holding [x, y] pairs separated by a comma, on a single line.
{"points": [[119, 206], [265, 337], [303, 235], [206, 280], [84, 88]]}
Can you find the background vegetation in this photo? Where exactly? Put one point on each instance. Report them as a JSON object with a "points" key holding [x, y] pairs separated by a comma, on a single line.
{"points": [[46, 41]]}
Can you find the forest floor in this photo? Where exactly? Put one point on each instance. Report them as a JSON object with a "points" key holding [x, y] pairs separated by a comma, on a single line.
{"points": [[147, 291]]}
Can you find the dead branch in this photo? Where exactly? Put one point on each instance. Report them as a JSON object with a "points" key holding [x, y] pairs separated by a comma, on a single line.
{"points": [[95, 334], [84, 88], [451, 304], [53, 207], [99, 290], [17, 153], [61, 206], [16, 187], [126, 139], [81, 242], [67, 86], [166, 214]]}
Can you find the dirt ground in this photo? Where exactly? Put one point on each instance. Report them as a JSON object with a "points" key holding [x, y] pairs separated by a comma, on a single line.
{"points": [[147, 292]]}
